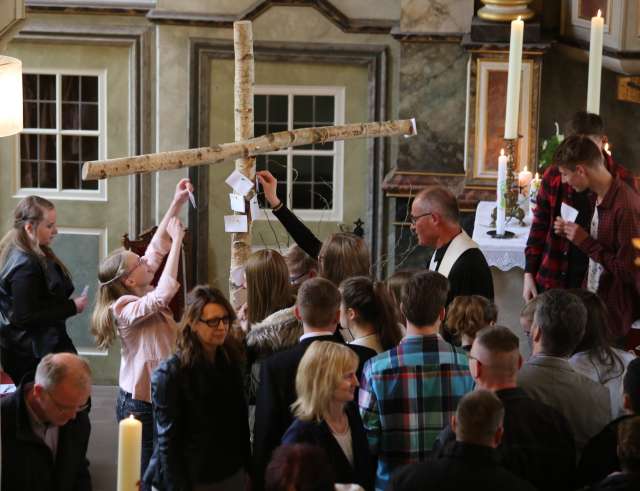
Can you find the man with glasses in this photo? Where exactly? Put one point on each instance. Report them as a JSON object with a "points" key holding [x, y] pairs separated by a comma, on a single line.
{"points": [[435, 219], [45, 428]]}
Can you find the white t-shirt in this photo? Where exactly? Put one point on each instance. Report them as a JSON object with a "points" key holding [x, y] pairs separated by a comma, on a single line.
{"points": [[582, 363]]}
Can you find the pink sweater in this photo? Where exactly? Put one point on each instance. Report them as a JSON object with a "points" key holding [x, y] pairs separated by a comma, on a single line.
{"points": [[146, 327]]}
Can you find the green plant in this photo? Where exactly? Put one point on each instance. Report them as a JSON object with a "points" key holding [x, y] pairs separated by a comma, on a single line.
{"points": [[548, 148]]}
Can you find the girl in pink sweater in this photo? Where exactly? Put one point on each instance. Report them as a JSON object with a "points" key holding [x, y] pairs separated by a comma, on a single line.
{"points": [[130, 307]]}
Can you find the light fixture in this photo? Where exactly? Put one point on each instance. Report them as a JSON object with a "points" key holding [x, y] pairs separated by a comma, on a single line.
{"points": [[10, 96]]}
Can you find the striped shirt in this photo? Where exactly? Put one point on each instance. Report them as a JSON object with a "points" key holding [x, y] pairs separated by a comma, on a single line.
{"points": [[407, 396]]}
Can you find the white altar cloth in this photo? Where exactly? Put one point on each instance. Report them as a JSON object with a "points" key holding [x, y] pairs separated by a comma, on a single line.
{"points": [[504, 254]]}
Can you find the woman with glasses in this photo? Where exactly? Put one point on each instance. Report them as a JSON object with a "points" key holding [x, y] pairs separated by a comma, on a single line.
{"points": [[200, 410], [35, 290], [326, 415], [129, 307]]}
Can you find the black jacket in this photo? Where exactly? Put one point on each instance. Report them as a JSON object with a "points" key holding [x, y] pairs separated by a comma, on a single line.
{"points": [[27, 463], [537, 444], [319, 434], [300, 233], [463, 466], [599, 457], [619, 482], [201, 419], [34, 304], [277, 392]]}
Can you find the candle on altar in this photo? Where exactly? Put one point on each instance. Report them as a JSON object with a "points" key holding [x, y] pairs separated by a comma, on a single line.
{"points": [[129, 453], [513, 83], [501, 188], [595, 64], [524, 177], [533, 194]]}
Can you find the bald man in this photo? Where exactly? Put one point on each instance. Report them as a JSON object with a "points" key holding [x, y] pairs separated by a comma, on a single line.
{"points": [[538, 443], [435, 219], [45, 428]]}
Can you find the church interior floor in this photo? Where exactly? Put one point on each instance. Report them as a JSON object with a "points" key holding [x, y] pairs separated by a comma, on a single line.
{"points": [[103, 445]]}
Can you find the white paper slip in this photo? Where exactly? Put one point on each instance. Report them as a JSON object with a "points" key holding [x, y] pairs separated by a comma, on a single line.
{"points": [[85, 291], [255, 208], [192, 199], [239, 183], [237, 276], [235, 223], [237, 202], [568, 213]]}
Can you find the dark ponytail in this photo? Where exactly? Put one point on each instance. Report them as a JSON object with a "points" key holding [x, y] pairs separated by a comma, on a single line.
{"points": [[373, 305]]}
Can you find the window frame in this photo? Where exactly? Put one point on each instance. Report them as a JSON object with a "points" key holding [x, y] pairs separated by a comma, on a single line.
{"points": [[338, 93], [99, 194]]}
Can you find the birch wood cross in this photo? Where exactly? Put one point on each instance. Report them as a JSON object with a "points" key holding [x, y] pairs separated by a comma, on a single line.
{"points": [[245, 148]]}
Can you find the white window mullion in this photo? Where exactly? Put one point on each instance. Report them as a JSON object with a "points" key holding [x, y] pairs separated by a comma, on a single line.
{"points": [[58, 130], [290, 154]]}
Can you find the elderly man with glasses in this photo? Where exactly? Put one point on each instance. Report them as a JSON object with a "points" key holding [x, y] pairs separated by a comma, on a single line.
{"points": [[45, 428], [435, 219]]}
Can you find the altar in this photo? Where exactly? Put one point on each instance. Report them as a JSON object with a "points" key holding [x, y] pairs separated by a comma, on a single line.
{"points": [[507, 261]]}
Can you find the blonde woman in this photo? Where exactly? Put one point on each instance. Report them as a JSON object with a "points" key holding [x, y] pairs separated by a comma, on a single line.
{"points": [[35, 290], [129, 307], [200, 411], [325, 414]]}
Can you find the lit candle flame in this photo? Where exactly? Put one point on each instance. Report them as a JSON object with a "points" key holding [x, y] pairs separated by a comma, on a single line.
{"points": [[502, 152], [606, 149], [537, 176], [519, 18], [599, 13]]}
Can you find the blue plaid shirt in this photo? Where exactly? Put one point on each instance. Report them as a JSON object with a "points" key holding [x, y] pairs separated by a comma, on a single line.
{"points": [[407, 396]]}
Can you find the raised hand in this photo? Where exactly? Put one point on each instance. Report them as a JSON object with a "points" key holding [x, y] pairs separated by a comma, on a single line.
{"points": [[175, 229], [182, 191], [270, 185]]}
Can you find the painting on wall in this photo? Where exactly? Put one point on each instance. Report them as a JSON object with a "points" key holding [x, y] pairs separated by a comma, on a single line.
{"points": [[589, 8], [487, 138]]}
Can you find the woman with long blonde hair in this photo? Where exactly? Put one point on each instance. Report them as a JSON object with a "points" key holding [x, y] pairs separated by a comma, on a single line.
{"points": [[129, 307], [35, 290], [200, 410], [326, 415]]}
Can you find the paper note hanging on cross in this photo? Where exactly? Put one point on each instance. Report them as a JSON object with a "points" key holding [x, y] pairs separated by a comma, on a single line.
{"points": [[237, 202], [236, 223], [237, 276], [255, 208], [239, 183], [568, 213]]}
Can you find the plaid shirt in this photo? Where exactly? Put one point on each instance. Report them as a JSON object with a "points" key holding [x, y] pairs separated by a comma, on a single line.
{"points": [[547, 254], [407, 396], [619, 285]]}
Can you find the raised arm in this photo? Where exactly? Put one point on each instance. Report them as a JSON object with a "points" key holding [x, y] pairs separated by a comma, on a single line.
{"points": [[300, 233], [179, 199]]}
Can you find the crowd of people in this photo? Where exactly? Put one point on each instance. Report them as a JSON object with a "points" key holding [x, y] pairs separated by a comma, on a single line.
{"points": [[327, 378]]}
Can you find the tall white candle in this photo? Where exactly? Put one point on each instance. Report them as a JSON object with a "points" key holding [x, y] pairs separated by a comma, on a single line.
{"points": [[129, 453], [501, 188], [595, 64], [513, 84]]}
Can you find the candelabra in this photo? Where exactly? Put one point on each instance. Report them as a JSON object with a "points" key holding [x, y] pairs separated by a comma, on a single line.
{"points": [[512, 209]]}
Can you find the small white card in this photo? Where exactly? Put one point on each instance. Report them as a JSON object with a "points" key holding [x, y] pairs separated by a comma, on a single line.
{"points": [[239, 183], [568, 213], [255, 208], [235, 223], [237, 276], [192, 199], [237, 202]]}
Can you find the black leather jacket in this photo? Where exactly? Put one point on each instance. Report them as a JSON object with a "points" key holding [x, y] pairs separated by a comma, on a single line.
{"points": [[202, 424], [34, 304]]}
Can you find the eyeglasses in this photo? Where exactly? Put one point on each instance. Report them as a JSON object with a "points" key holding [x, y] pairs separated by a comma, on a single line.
{"points": [[64, 408], [141, 261], [414, 220], [214, 322]]}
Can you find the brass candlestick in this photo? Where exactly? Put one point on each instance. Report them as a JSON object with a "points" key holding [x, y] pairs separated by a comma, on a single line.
{"points": [[505, 10], [513, 210]]}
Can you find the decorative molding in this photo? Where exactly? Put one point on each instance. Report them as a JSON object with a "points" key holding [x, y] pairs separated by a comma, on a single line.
{"points": [[427, 37], [325, 7], [95, 7], [202, 51], [608, 52]]}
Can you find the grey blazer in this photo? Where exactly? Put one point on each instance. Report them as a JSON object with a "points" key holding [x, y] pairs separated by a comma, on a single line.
{"points": [[586, 404]]}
